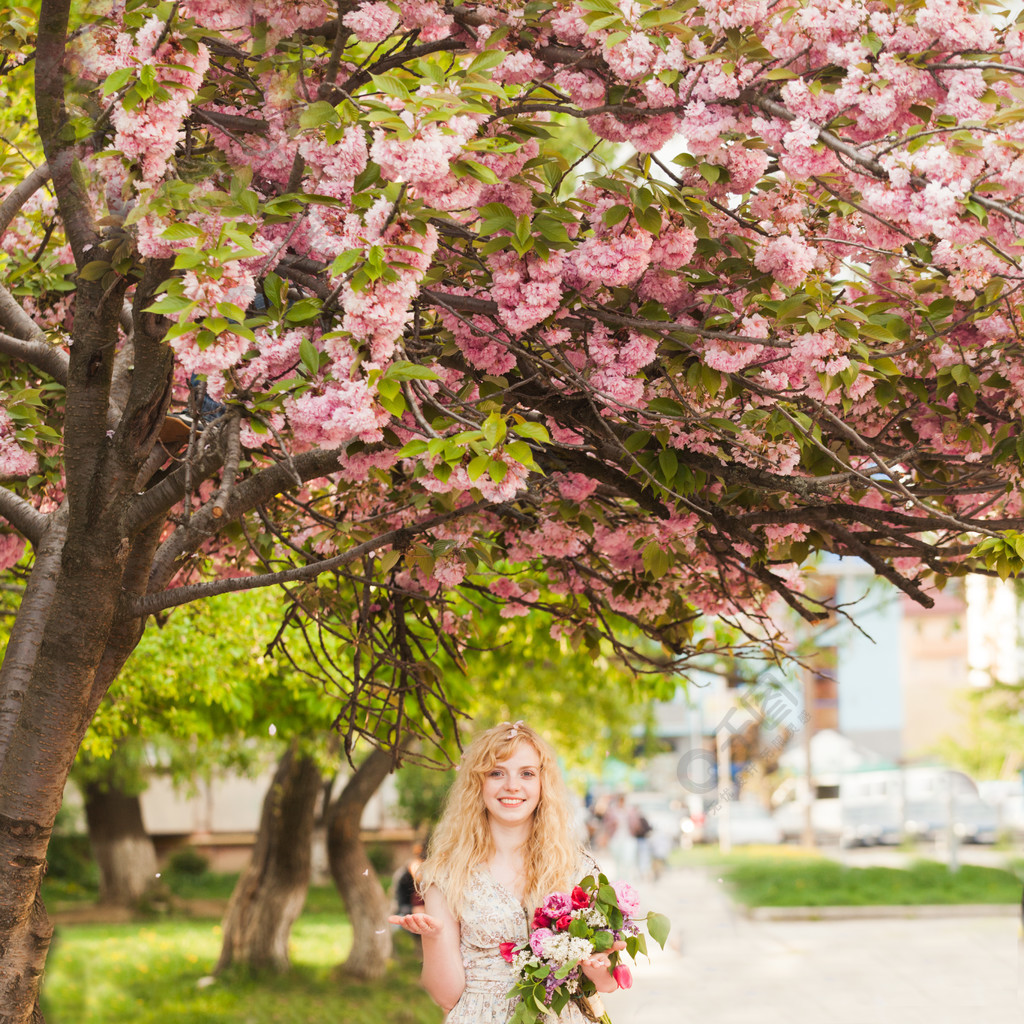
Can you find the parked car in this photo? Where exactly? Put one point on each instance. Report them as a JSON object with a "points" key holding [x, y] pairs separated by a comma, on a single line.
{"points": [[749, 823], [880, 806], [826, 821], [1006, 796]]}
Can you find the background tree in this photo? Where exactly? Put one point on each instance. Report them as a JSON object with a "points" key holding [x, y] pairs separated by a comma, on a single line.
{"points": [[122, 849], [421, 351]]}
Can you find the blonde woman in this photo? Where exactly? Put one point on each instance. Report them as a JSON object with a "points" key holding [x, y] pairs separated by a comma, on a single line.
{"points": [[504, 842]]}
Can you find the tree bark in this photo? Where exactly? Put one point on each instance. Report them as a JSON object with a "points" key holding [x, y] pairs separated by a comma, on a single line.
{"points": [[123, 850], [271, 891], [353, 874]]}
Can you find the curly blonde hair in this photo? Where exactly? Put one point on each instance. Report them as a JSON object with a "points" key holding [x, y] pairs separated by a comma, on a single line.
{"points": [[462, 840]]}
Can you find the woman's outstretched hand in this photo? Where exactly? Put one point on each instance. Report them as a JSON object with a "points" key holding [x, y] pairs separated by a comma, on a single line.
{"points": [[419, 924], [598, 968]]}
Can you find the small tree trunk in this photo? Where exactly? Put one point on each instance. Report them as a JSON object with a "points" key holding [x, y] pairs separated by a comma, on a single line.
{"points": [[123, 851], [272, 889], [360, 888]]}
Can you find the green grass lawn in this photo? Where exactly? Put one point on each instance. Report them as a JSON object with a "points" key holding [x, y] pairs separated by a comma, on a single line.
{"points": [[149, 973], [765, 880]]}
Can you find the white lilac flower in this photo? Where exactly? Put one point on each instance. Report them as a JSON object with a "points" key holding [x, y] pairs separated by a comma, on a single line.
{"points": [[561, 948]]}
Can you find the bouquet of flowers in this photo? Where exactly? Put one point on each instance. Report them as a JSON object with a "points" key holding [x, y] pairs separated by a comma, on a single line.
{"points": [[568, 928]]}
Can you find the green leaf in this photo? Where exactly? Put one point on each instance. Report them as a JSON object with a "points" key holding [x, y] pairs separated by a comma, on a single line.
{"points": [[231, 311], [649, 219], [318, 113], [615, 214], [475, 170], [389, 560], [658, 925], [310, 356], [656, 564], [391, 86], [534, 431], [274, 289], [401, 369], [303, 311], [412, 448], [872, 42], [486, 61], [637, 440], [520, 451], [494, 429], [169, 304], [660, 16], [117, 80], [477, 468], [94, 270], [181, 232]]}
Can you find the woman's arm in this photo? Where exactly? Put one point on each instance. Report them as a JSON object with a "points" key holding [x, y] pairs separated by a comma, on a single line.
{"points": [[443, 975]]}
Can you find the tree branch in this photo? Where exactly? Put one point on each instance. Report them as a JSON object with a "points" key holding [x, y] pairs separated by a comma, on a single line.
{"points": [[21, 192], [52, 116], [26, 519], [152, 603], [38, 353]]}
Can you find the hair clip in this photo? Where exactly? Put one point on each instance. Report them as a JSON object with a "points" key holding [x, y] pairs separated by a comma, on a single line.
{"points": [[514, 730]]}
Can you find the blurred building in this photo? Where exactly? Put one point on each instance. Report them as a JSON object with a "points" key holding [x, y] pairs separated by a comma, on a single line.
{"points": [[886, 673]]}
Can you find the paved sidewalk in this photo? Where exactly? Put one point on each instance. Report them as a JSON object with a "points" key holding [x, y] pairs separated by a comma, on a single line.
{"points": [[721, 968]]}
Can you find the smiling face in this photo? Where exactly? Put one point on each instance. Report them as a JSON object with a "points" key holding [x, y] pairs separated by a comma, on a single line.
{"points": [[511, 789]]}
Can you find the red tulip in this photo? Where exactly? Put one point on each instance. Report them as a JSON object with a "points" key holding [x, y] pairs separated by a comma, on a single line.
{"points": [[563, 922], [540, 919], [620, 972]]}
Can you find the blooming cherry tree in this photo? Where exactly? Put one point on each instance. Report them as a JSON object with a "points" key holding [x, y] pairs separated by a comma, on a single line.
{"points": [[409, 306]]}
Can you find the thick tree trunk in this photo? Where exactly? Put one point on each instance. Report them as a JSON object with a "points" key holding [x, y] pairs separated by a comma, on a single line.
{"points": [[123, 850], [353, 874], [271, 891]]}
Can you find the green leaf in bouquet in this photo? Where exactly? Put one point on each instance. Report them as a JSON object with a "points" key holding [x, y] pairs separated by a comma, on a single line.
{"points": [[588, 883], [563, 971], [578, 929], [559, 1000], [541, 971], [523, 1014], [538, 998], [606, 894], [658, 925], [603, 940]]}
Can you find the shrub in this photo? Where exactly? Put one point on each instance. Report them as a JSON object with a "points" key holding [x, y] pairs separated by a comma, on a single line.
{"points": [[187, 861]]}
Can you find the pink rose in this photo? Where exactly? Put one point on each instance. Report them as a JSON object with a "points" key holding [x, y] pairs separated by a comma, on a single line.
{"points": [[620, 972], [505, 948], [627, 898], [537, 938]]}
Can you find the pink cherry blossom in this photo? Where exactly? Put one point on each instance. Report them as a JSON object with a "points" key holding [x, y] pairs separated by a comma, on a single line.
{"points": [[371, 22]]}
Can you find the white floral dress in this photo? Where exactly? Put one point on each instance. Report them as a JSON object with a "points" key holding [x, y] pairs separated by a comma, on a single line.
{"points": [[491, 915]]}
